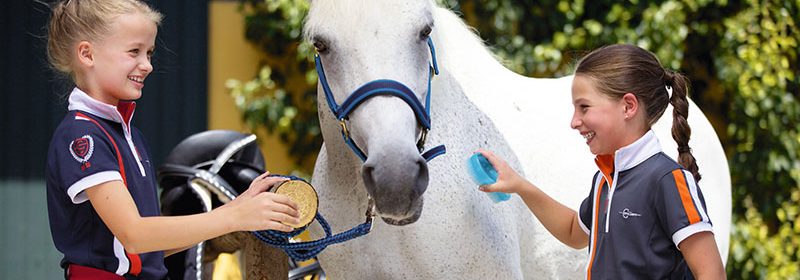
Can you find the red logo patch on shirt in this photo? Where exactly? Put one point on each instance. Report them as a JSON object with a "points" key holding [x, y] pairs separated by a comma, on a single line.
{"points": [[81, 150]]}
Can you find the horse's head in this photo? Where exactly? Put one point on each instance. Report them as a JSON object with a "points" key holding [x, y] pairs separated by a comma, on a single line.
{"points": [[375, 84]]}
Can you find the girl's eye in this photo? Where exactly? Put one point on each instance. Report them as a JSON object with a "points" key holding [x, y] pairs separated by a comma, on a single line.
{"points": [[134, 51]]}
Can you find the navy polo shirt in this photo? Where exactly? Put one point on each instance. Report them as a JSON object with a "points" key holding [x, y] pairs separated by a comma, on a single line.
{"points": [[82, 155], [641, 206]]}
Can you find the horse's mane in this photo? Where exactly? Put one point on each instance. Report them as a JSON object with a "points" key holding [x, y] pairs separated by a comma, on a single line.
{"points": [[457, 41]]}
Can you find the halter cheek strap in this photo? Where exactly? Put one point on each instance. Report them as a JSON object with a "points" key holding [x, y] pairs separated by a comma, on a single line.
{"points": [[383, 87]]}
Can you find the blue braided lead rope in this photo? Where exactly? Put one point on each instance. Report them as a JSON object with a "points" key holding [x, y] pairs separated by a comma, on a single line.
{"points": [[300, 251]]}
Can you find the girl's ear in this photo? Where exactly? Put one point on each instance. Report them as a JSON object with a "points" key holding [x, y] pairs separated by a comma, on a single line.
{"points": [[631, 104], [85, 56]]}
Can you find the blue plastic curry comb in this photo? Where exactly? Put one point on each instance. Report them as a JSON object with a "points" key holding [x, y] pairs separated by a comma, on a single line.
{"points": [[483, 173]]}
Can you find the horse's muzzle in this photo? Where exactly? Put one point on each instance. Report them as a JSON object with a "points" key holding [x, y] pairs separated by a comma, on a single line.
{"points": [[406, 221], [396, 187]]}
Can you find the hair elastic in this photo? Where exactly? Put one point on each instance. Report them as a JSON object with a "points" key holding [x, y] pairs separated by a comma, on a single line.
{"points": [[669, 91]]}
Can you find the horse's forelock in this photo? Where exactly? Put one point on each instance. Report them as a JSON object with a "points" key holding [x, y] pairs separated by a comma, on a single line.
{"points": [[324, 13]]}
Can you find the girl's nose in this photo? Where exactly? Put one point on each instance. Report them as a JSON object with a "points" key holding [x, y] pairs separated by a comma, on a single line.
{"points": [[575, 122], [146, 66]]}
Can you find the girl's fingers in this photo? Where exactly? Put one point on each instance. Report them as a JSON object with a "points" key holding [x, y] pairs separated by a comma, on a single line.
{"points": [[277, 221], [492, 158], [286, 219], [281, 200], [271, 181], [279, 226], [279, 207], [261, 177], [286, 209], [263, 182]]}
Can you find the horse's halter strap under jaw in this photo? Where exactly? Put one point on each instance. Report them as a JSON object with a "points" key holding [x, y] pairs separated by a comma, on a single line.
{"points": [[383, 87]]}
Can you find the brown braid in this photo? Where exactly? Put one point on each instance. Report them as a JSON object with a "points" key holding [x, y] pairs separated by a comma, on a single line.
{"points": [[681, 131]]}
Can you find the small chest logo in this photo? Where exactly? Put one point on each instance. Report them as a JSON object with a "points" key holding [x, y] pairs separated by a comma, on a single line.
{"points": [[628, 213], [81, 150]]}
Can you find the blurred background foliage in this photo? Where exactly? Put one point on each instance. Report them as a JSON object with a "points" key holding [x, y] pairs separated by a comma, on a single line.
{"points": [[742, 57]]}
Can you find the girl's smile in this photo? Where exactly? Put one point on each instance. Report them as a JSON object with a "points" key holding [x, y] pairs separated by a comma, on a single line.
{"points": [[588, 136]]}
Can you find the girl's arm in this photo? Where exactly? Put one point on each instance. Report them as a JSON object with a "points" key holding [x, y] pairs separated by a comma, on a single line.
{"points": [[561, 221], [171, 252], [702, 256], [255, 209]]}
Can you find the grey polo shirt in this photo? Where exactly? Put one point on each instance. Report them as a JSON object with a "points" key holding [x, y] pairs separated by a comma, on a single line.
{"points": [[641, 206]]}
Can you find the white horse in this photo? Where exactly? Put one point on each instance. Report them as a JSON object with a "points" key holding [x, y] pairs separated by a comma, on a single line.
{"points": [[475, 103]]}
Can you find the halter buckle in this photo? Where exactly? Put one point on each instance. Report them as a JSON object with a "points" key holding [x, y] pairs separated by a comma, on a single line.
{"points": [[422, 138], [343, 124], [370, 212]]}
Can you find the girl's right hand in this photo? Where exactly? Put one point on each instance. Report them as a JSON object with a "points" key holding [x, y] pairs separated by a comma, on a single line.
{"points": [[508, 180], [257, 209]]}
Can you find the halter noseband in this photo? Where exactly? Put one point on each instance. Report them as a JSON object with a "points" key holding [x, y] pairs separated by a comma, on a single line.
{"points": [[383, 87]]}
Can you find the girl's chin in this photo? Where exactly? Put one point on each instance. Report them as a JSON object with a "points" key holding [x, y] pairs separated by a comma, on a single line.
{"points": [[132, 95], [597, 151]]}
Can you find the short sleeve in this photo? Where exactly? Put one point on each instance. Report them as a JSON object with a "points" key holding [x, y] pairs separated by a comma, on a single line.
{"points": [[681, 206], [585, 211], [84, 158]]}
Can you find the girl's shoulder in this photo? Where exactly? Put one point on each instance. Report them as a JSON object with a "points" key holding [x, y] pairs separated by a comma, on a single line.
{"points": [[71, 124], [77, 124], [661, 164]]}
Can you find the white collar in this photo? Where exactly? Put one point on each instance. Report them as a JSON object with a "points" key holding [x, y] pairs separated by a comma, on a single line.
{"points": [[80, 100], [632, 155]]}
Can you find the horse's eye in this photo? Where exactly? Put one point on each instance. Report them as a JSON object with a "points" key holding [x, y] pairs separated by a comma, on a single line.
{"points": [[425, 33], [320, 46]]}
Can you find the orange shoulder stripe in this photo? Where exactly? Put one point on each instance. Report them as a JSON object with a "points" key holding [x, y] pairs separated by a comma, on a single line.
{"points": [[595, 227], [686, 197]]}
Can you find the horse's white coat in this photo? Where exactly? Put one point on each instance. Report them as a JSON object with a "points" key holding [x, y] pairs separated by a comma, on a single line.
{"points": [[476, 103]]}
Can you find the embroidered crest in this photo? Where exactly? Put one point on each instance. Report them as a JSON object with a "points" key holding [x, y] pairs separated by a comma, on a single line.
{"points": [[82, 149]]}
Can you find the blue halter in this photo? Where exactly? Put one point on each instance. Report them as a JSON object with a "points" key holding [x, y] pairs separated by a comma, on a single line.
{"points": [[383, 87]]}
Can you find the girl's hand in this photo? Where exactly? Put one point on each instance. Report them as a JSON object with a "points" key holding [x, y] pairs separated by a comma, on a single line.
{"points": [[257, 209], [508, 180]]}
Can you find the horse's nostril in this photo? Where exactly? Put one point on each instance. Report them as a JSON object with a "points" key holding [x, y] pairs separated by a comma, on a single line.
{"points": [[369, 179], [422, 176]]}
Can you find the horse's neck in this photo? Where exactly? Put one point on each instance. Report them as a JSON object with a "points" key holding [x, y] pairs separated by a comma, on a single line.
{"points": [[463, 53]]}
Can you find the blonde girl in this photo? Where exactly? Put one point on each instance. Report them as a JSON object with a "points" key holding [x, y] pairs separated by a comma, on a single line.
{"points": [[101, 191]]}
